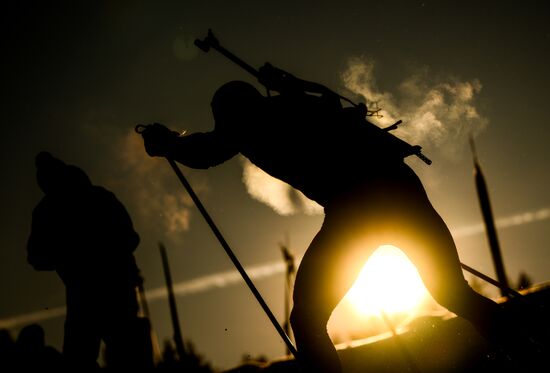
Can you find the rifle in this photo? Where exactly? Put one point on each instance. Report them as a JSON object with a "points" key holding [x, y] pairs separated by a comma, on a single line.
{"points": [[278, 80]]}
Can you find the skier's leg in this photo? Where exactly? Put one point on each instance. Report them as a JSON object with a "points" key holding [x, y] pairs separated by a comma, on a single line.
{"points": [[327, 271]]}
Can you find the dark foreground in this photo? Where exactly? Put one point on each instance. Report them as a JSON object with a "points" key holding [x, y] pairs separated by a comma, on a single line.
{"points": [[433, 344], [429, 345]]}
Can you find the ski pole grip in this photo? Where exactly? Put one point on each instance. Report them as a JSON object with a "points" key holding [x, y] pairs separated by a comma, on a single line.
{"points": [[140, 128]]}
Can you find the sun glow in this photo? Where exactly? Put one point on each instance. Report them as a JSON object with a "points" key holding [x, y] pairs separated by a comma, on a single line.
{"points": [[388, 282]]}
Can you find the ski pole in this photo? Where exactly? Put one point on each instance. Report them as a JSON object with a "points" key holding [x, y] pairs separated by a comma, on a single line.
{"points": [[496, 283], [232, 256], [229, 251]]}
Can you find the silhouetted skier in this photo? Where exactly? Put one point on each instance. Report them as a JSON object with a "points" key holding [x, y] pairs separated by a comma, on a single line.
{"points": [[84, 233], [370, 198]]}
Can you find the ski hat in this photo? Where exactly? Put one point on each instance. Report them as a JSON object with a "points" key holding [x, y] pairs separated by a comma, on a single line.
{"points": [[54, 175]]}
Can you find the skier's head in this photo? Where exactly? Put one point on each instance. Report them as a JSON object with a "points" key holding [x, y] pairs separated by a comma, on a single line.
{"points": [[53, 175], [232, 98]]}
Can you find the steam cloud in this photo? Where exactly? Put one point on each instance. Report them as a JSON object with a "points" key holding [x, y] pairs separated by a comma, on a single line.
{"points": [[146, 183], [280, 196], [152, 176], [437, 114]]}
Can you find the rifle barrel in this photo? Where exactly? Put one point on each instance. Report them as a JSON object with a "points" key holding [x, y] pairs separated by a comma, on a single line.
{"points": [[211, 42]]}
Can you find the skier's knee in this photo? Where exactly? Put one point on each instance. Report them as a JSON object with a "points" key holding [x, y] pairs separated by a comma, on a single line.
{"points": [[304, 321]]}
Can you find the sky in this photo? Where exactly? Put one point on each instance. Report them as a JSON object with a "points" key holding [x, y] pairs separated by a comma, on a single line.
{"points": [[78, 76]]}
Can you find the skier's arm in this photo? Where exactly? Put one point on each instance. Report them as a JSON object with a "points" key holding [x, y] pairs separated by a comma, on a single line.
{"points": [[197, 150]]}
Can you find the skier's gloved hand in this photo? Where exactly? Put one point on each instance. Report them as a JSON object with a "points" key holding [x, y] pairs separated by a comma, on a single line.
{"points": [[158, 139]]}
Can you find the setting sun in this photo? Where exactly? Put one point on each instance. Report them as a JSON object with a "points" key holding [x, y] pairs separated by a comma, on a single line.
{"points": [[388, 282]]}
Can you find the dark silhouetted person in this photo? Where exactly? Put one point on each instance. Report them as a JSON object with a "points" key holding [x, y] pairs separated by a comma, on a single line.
{"points": [[370, 198], [84, 233], [8, 352], [33, 355]]}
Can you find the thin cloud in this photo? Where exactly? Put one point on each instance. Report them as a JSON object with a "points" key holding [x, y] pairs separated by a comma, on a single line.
{"points": [[32, 317], [218, 280], [184, 288], [229, 278], [505, 222]]}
